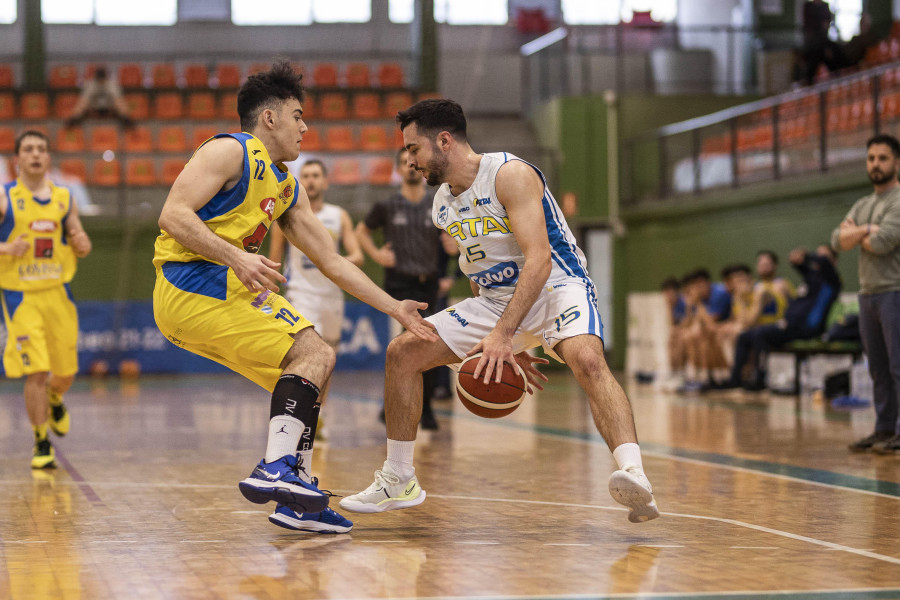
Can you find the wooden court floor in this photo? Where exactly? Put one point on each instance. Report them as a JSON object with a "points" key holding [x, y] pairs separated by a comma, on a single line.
{"points": [[759, 499]]}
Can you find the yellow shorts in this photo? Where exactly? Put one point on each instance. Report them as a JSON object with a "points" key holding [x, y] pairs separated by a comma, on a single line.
{"points": [[204, 308], [42, 332]]}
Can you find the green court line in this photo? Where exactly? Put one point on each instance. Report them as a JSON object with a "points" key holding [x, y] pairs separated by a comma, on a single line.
{"points": [[821, 476]]}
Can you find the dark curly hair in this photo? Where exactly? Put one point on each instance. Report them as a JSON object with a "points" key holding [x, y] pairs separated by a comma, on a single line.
{"points": [[267, 90], [434, 116]]}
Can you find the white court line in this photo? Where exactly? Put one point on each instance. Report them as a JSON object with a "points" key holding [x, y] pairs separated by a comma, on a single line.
{"points": [[585, 545], [478, 543], [778, 532]]}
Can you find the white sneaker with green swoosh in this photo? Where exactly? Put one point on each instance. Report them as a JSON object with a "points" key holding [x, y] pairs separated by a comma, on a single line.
{"points": [[388, 492]]}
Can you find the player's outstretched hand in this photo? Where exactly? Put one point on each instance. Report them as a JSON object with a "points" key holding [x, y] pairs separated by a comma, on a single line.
{"points": [[527, 364], [258, 273], [496, 349], [407, 312]]}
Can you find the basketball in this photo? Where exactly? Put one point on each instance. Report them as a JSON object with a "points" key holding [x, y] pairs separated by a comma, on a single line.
{"points": [[492, 400], [129, 369]]}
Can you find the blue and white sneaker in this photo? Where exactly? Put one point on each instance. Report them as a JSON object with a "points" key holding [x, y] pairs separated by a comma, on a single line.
{"points": [[279, 481], [326, 521]]}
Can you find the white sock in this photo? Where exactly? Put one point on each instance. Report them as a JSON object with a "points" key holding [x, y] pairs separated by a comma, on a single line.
{"points": [[306, 463], [400, 458], [284, 435], [628, 455]]}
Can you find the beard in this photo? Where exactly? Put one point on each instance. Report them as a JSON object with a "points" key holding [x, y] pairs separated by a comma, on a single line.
{"points": [[878, 178], [437, 168]]}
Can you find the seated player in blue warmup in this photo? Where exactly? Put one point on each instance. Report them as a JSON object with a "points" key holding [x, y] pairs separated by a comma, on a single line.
{"points": [[804, 317]]}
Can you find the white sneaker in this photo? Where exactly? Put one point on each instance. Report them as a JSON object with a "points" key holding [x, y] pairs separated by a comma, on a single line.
{"points": [[631, 488], [387, 493]]}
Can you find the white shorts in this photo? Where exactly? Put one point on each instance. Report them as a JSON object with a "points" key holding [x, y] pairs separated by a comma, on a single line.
{"points": [[562, 310], [325, 313]]}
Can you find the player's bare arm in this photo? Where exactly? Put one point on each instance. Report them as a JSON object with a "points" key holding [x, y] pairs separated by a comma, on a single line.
{"points": [[519, 190], [216, 166], [352, 250], [18, 246], [303, 229], [276, 243], [78, 237], [384, 256]]}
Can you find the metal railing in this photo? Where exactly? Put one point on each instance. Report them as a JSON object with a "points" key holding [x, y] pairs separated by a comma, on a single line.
{"points": [[624, 58], [815, 129]]}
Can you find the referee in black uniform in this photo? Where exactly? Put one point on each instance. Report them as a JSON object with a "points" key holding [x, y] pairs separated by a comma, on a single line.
{"points": [[410, 254]]}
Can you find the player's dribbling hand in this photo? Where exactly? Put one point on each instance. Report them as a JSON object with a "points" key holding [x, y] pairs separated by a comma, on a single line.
{"points": [[81, 244], [258, 273], [407, 313], [496, 349], [527, 364]]}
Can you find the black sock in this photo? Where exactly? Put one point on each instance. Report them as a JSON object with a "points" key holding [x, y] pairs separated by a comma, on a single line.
{"points": [[309, 434], [294, 396]]}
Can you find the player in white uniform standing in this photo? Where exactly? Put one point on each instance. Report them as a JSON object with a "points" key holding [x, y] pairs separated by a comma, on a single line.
{"points": [[316, 297], [531, 289]]}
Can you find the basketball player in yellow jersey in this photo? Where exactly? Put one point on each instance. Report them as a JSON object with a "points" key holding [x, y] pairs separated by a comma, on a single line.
{"points": [[216, 296], [40, 238]]}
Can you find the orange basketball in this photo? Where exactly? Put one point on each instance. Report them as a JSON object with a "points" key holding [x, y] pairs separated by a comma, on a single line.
{"points": [[492, 400], [129, 369]]}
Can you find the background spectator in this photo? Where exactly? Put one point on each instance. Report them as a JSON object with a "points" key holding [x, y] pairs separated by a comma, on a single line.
{"points": [[101, 97]]}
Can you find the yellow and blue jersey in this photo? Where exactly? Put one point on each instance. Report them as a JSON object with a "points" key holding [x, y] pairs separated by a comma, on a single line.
{"points": [[49, 260], [243, 214], [775, 300]]}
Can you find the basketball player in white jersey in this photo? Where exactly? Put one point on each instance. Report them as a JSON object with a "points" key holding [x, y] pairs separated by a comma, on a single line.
{"points": [[531, 289], [316, 297]]}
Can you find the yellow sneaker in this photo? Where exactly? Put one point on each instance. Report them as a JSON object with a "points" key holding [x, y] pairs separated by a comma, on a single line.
{"points": [[43, 455], [59, 415]]}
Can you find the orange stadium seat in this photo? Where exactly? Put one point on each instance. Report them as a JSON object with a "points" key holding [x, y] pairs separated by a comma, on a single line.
{"points": [[345, 171], [63, 76], [35, 106], [70, 139], [63, 104], [325, 75], [202, 105], [7, 79], [171, 169], [131, 76], [390, 75], [106, 173], [228, 106], [138, 105], [103, 137], [366, 106], [395, 102], [312, 142], [228, 76], [339, 138], [308, 104], [398, 138], [380, 171], [201, 134], [74, 166], [333, 106], [259, 68], [171, 139], [140, 171], [889, 106], [196, 76], [169, 105], [7, 139], [373, 138], [7, 106], [358, 75], [138, 140], [164, 76]]}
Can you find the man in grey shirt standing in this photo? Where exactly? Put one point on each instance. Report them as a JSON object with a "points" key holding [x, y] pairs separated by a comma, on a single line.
{"points": [[874, 225]]}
